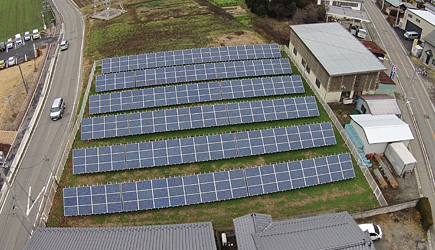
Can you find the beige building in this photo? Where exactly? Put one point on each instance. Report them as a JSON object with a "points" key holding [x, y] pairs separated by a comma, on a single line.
{"points": [[333, 61], [422, 21]]}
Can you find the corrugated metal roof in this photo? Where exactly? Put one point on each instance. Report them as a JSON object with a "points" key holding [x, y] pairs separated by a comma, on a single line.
{"points": [[373, 47], [381, 104], [347, 13], [334, 231], [192, 236], [385, 79], [247, 225], [426, 15], [336, 49], [430, 38], [383, 128]]}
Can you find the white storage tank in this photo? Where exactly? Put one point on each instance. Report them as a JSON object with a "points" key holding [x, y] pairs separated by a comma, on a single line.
{"points": [[400, 158]]}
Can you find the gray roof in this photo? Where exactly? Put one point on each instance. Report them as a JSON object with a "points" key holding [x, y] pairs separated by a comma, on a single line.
{"points": [[336, 49], [334, 231], [247, 225], [339, 12], [190, 236], [381, 104], [430, 38]]}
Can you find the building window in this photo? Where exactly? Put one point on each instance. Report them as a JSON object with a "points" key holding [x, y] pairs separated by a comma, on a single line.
{"points": [[363, 109], [303, 62], [318, 83], [295, 51], [433, 62], [409, 15], [308, 69], [418, 20]]}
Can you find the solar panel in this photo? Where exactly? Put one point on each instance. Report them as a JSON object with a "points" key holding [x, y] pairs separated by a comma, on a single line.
{"points": [[192, 73], [201, 148], [198, 117], [194, 93], [205, 188], [190, 56]]}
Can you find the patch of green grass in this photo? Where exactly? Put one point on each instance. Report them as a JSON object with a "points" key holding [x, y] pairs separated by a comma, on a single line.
{"points": [[245, 20], [19, 16], [225, 3]]}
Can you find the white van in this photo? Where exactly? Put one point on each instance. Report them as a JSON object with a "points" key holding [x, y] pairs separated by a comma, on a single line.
{"points": [[35, 34], [57, 109], [410, 35], [18, 40]]}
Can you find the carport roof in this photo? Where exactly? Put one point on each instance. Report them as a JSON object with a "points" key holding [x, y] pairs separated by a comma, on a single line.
{"points": [[383, 128], [339, 52]]}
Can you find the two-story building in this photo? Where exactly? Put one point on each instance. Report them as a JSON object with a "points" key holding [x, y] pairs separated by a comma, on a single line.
{"points": [[353, 4], [421, 21], [335, 63]]}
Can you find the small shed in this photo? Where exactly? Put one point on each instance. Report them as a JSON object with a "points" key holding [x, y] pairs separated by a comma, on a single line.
{"points": [[376, 131], [386, 85], [377, 105]]}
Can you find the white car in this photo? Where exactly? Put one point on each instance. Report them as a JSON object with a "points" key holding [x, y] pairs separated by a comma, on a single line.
{"points": [[64, 45], [35, 34], [27, 36], [9, 43], [11, 61], [373, 229]]}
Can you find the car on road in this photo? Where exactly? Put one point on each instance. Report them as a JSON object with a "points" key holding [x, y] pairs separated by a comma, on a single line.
{"points": [[373, 229], [2, 64], [9, 44], [27, 36], [35, 34], [2, 46], [57, 109], [11, 61], [64, 45]]}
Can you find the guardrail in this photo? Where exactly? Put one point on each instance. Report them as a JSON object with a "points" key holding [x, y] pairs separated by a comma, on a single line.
{"points": [[371, 181]]}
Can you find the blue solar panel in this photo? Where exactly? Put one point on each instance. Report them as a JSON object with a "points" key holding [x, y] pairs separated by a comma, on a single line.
{"points": [[193, 93], [198, 117], [197, 72], [201, 148]]}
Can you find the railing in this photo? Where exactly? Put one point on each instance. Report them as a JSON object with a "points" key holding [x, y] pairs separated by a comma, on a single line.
{"points": [[371, 181]]}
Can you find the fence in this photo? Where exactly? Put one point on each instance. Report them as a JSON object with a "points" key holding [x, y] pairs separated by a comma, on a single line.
{"points": [[49, 195], [371, 181]]}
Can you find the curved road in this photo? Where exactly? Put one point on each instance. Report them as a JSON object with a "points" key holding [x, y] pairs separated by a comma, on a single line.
{"points": [[46, 144], [420, 112]]}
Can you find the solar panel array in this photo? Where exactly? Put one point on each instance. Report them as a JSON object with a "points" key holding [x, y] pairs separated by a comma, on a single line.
{"points": [[189, 56], [194, 93], [205, 188], [202, 148], [192, 73], [198, 117]]}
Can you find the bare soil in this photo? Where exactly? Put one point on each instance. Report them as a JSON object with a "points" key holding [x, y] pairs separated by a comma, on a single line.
{"points": [[13, 91]]}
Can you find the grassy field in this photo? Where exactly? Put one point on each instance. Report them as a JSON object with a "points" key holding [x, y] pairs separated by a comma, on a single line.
{"points": [[191, 29], [19, 16]]}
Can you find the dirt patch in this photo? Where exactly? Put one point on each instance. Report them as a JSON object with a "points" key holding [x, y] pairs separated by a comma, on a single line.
{"points": [[401, 230], [235, 38], [13, 91]]}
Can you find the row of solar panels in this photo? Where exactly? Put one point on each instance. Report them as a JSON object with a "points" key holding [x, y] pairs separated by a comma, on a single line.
{"points": [[197, 117], [190, 56], [192, 73], [204, 188], [194, 93], [201, 148]]}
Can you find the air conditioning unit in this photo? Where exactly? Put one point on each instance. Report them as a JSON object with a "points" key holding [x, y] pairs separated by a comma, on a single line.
{"points": [[347, 100]]}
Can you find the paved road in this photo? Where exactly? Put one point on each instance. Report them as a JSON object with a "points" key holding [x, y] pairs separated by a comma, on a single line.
{"points": [[47, 141], [415, 96]]}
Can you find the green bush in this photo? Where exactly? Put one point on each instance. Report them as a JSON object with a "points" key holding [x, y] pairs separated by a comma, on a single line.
{"points": [[423, 206]]}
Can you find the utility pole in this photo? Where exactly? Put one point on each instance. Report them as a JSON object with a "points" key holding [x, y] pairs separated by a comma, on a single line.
{"points": [[22, 76]]}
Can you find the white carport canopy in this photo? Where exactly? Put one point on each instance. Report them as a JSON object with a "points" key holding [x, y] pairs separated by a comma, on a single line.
{"points": [[383, 128]]}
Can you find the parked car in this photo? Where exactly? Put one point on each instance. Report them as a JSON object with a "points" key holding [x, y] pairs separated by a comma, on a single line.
{"points": [[35, 34], [410, 35], [2, 46], [27, 36], [64, 45], [18, 40], [11, 61], [10, 44], [373, 229], [2, 64], [57, 109]]}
